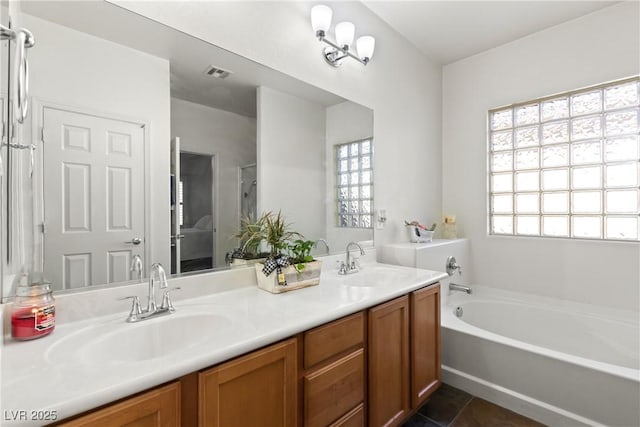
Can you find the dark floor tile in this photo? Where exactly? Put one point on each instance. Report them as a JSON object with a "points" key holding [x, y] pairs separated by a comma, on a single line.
{"points": [[445, 404], [419, 421], [480, 413]]}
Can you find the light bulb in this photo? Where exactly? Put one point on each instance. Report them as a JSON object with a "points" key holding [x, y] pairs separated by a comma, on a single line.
{"points": [[345, 31], [321, 18], [365, 45]]}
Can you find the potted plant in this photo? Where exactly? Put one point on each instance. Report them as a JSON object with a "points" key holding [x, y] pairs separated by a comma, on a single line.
{"points": [[248, 252], [289, 265], [300, 252]]}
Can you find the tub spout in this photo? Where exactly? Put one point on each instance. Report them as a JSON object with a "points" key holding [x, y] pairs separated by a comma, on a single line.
{"points": [[461, 288]]}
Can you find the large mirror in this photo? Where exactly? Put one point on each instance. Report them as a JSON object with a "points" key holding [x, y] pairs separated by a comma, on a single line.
{"points": [[152, 143]]}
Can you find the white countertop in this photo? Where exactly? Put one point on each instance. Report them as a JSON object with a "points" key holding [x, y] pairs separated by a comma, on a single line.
{"points": [[53, 373]]}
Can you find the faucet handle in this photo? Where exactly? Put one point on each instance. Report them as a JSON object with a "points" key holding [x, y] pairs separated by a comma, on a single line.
{"points": [[166, 301], [342, 267], [136, 310]]}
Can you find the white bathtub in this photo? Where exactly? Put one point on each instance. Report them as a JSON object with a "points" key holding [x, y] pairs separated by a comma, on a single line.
{"points": [[559, 362]]}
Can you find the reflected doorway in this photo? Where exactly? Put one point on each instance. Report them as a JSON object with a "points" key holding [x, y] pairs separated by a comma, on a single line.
{"points": [[193, 249]]}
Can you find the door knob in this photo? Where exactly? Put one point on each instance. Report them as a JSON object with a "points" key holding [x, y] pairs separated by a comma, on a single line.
{"points": [[134, 241]]}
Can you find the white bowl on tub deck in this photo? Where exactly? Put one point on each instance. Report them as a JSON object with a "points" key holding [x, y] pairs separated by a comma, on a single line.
{"points": [[419, 235]]}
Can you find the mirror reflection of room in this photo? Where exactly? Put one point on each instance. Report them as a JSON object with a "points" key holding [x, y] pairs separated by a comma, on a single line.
{"points": [[127, 121], [195, 204]]}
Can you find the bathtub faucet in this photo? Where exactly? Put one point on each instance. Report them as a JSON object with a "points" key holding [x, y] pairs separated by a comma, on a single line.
{"points": [[461, 288], [452, 266]]}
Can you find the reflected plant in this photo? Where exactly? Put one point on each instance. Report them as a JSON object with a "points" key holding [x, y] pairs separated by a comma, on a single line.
{"points": [[270, 228]]}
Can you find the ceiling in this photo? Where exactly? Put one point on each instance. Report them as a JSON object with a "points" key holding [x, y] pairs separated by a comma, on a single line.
{"points": [[447, 31]]}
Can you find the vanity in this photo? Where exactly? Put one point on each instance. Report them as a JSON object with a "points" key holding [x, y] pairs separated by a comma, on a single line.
{"points": [[362, 349]]}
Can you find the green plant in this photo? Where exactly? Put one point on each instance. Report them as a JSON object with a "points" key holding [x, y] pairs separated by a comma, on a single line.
{"points": [[249, 247], [300, 252], [272, 229]]}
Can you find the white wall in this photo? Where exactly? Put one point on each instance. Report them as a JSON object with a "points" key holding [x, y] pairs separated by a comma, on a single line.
{"points": [[400, 85], [291, 163], [596, 48], [232, 139], [86, 73], [346, 122]]}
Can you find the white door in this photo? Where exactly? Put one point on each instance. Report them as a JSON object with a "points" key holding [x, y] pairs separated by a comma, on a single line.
{"points": [[176, 206], [93, 198]]}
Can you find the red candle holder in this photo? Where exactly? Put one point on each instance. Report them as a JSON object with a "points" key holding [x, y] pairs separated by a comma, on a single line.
{"points": [[33, 314]]}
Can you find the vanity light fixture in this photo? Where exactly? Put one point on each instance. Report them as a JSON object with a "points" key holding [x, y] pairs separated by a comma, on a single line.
{"points": [[345, 32]]}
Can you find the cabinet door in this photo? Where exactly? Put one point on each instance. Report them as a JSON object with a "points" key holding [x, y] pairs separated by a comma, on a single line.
{"points": [[425, 343], [156, 408], [258, 389], [389, 362]]}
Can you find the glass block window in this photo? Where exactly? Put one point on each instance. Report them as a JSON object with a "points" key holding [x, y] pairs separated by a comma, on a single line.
{"points": [[354, 177], [568, 165]]}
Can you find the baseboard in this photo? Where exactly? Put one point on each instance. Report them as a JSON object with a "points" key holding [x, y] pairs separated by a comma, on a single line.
{"points": [[514, 401]]}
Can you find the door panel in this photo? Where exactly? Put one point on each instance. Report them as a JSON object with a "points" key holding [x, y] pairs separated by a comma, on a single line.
{"points": [[76, 190], [119, 199], [93, 198]]}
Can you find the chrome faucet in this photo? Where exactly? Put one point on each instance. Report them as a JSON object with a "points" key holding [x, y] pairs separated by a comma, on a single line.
{"points": [[349, 266], [315, 244], [461, 288], [166, 307], [452, 266], [136, 267], [157, 274]]}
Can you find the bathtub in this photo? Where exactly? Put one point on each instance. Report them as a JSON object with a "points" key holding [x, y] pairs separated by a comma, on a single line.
{"points": [[559, 362]]}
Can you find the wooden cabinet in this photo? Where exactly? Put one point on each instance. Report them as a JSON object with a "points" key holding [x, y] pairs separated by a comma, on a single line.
{"points": [[404, 355], [159, 407], [259, 389], [334, 379], [425, 343], [370, 368], [389, 362]]}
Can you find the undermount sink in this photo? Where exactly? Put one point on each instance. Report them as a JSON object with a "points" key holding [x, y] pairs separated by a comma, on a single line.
{"points": [[375, 276], [117, 343]]}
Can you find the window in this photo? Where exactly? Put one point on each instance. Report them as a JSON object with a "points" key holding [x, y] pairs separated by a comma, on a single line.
{"points": [[567, 165], [354, 184]]}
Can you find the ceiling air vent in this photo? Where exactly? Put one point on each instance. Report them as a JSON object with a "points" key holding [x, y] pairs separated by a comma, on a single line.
{"points": [[219, 73]]}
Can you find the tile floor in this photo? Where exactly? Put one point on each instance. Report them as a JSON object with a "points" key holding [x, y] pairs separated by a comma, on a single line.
{"points": [[451, 407]]}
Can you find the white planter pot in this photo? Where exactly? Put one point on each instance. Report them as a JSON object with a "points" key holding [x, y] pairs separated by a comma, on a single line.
{"points": [[239, 262], [310, 276]]}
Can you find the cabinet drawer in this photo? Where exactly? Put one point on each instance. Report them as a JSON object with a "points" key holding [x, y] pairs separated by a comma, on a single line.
{"points": [[329, 340], [331, 392], [354, 418]]}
